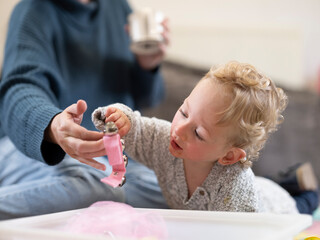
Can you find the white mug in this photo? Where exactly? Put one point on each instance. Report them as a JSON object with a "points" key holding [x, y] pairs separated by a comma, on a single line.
{"points": [[145, 31]]}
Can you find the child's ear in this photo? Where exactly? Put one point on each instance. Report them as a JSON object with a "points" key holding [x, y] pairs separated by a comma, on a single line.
{"points": [[234, 155]]}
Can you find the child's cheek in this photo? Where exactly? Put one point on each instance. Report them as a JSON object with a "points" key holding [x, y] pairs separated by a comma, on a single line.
{"points": [[194, 152]]}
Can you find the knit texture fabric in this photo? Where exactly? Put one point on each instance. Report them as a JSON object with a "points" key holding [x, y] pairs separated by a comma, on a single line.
{"points": [[60, 51], [226, 188]]}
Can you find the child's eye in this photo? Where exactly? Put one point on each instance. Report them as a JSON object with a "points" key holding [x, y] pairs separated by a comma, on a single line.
{"points": [[182, 112], [198, 136]]}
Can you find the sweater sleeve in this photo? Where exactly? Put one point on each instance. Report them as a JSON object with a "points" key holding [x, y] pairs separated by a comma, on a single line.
{"points": [[148, 139], [29, 85]]}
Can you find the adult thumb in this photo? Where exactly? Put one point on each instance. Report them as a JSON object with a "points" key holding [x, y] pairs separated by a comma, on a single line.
{"points": [[81, 107], [77, 110]]}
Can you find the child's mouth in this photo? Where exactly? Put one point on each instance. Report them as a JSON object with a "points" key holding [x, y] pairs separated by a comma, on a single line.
{"points": [[175, 145]]}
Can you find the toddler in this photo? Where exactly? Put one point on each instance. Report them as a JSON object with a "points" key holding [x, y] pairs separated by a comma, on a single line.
{"points": [[202, 159]]}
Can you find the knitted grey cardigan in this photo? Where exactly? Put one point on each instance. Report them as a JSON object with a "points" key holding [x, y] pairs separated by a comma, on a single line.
{"points": [[226, 188]]}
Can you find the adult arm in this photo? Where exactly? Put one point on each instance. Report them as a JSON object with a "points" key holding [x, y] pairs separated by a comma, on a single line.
{"points": [[148, 85], [29, 86], [29, 94], [151, 91]]}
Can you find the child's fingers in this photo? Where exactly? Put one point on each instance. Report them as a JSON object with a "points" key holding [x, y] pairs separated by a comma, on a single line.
{"points": [[109, 111], [112, 112], [120, 119], [124, 130], [113, 117], [121, 122], [123, 125]]}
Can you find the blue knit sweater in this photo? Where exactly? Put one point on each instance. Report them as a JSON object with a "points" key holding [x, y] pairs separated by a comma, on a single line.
{"points": [[59, 51]]}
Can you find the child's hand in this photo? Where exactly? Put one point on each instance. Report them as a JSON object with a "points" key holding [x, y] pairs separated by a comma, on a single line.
{"points": [[120, 119]]}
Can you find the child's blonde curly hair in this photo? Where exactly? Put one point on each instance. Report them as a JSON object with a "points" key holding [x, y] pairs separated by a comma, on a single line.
{"points": [[255, 109]]}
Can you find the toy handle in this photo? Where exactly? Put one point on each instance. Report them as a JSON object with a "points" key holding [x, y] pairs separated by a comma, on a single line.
{"points": [[116, 159]]}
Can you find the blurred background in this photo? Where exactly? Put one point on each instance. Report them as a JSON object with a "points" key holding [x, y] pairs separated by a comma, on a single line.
{"points": [[281, 38]]}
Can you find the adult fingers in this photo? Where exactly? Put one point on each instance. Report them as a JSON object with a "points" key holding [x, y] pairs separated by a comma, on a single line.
{"points": [[77, 110], [165, 24], [81, 147], [166, 38], [81, 106], [99, 153], [91, 162], [79, 132]]}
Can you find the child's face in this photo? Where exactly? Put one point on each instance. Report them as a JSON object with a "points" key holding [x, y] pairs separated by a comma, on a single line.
{"points": [[194, 134]]}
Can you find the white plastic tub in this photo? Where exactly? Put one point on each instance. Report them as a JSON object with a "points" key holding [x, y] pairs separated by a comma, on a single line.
{"points": [[181, 224]]}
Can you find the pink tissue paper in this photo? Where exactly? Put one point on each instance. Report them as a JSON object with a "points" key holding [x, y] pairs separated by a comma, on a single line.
{"points": [[114, 220]]}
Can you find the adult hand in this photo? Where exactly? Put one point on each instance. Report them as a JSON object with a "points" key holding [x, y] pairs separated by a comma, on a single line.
{"points": [[149, 62], [75, 140], [120, 119]]}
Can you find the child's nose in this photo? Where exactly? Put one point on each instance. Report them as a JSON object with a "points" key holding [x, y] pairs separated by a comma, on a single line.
{"points": [[180, 131]]}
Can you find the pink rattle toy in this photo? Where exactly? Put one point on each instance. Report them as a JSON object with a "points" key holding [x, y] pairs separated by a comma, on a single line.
{"points": [[114, 149]]}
